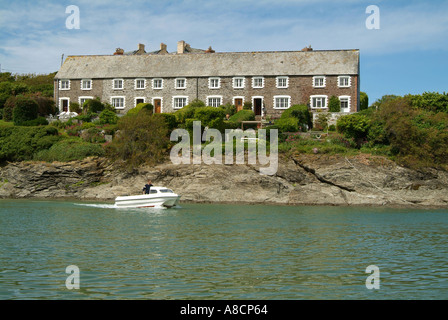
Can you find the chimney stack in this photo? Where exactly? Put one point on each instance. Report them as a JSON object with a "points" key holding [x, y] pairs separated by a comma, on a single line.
{"points": [[118, 52], [163, 48], [141, 49], [210, 50], [180, 47], [307, 49]]}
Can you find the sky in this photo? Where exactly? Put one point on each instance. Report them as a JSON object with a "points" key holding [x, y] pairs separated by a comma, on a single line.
{"points": [[407, 54]]}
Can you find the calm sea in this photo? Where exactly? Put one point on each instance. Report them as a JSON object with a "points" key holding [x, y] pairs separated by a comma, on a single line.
{"points": [[220, 252]]}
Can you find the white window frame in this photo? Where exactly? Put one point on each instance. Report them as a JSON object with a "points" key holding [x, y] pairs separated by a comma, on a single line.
{"points": [[122, 84], [324, 82], [257, 78], [60, 104], [281, 107], [84, 81], [118, 97], [179, 97], [319, 96], [161, 103], [211, 80], [83, 98], [135, 100], [277, 82], [340, 85], [243, 82], [137, 81], [64, 81], [161, 82], [349, 98], [214, 97], [176, 84]]}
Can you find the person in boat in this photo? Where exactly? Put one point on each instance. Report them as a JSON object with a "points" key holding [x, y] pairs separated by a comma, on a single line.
{"points": [[147, 187]]}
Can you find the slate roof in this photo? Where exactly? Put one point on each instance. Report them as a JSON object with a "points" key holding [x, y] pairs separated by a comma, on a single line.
{"points": [[271, 63]]}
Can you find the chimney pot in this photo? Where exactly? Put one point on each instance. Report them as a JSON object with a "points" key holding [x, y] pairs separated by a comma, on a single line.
{"points": [[119, 52]]}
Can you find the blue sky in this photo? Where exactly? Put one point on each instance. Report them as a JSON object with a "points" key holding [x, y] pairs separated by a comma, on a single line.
{"points": [[408, 54]]}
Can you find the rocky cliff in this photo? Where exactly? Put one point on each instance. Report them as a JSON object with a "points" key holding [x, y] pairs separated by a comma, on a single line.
{"points": [[302, 180]]}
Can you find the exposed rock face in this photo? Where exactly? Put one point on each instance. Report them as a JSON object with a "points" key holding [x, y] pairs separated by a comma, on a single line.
{"points": [[303, 180]]}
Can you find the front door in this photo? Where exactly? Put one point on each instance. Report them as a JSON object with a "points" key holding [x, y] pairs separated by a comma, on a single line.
{"points": [[157, 106], [65, 104], [239, 104], [258, 105]]}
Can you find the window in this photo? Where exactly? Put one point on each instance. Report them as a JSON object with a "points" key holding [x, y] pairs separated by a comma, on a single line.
{"points": [[84, 99], [180, 83], [318, 102], [179, 102], [257, 82], [239, 83], [214, 101], [214, 83], [282, 102], [345, 103], [282, 82], [140, 84], [118, 84], [319, 82], [344, 81], [86, 84], [157, 83], [64, 85], [117, 102]]}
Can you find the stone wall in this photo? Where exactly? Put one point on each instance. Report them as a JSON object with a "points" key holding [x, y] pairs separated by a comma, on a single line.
{"points": [[300, 89]]}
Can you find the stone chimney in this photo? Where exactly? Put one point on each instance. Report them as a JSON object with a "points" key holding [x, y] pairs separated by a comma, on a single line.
{"points": [[163, 49], [118, 52], [141, 49], [181, 47], [210, 50], [307, 49]]}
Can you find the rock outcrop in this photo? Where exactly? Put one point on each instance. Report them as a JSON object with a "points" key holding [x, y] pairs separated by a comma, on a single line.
{"points": [[363, 180]]}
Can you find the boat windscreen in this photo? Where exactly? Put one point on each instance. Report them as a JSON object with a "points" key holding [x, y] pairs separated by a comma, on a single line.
{"points": [[166, 191]]}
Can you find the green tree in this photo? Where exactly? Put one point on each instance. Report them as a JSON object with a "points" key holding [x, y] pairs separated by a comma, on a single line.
{"points": [[363, 101], [334, 105], [26, 109], [354, 126]]}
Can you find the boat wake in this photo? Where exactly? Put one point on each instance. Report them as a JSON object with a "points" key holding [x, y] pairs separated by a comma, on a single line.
{"points": [[103, 206]]}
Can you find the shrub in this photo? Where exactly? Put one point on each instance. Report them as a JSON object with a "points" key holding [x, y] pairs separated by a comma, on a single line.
{"points": [[40, 121], [228, 109], [363, 101], [243, 115], [108, 117], [287, 125], [247, 105], [75, 107], [210, 117], [142, 140], [334, 105], [93, 106], [168, 118], [147, 106], [301, 113], [9, 107], [322, 121], [354, 126], [25, 109], [188, 111], [21, 143], [70, 150]]}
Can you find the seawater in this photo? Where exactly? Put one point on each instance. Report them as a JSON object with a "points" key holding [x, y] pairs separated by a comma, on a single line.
{"points": [[221, 252]]}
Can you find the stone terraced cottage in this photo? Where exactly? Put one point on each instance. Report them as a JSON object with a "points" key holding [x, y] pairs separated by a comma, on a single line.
{"points": [[272, 81]]}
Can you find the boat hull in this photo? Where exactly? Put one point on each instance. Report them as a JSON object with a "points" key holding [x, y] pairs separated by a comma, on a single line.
{"points": [[148, 201]]}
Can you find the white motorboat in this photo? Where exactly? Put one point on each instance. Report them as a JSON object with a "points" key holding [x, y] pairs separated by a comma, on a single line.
{"points": [[158, 197]]}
